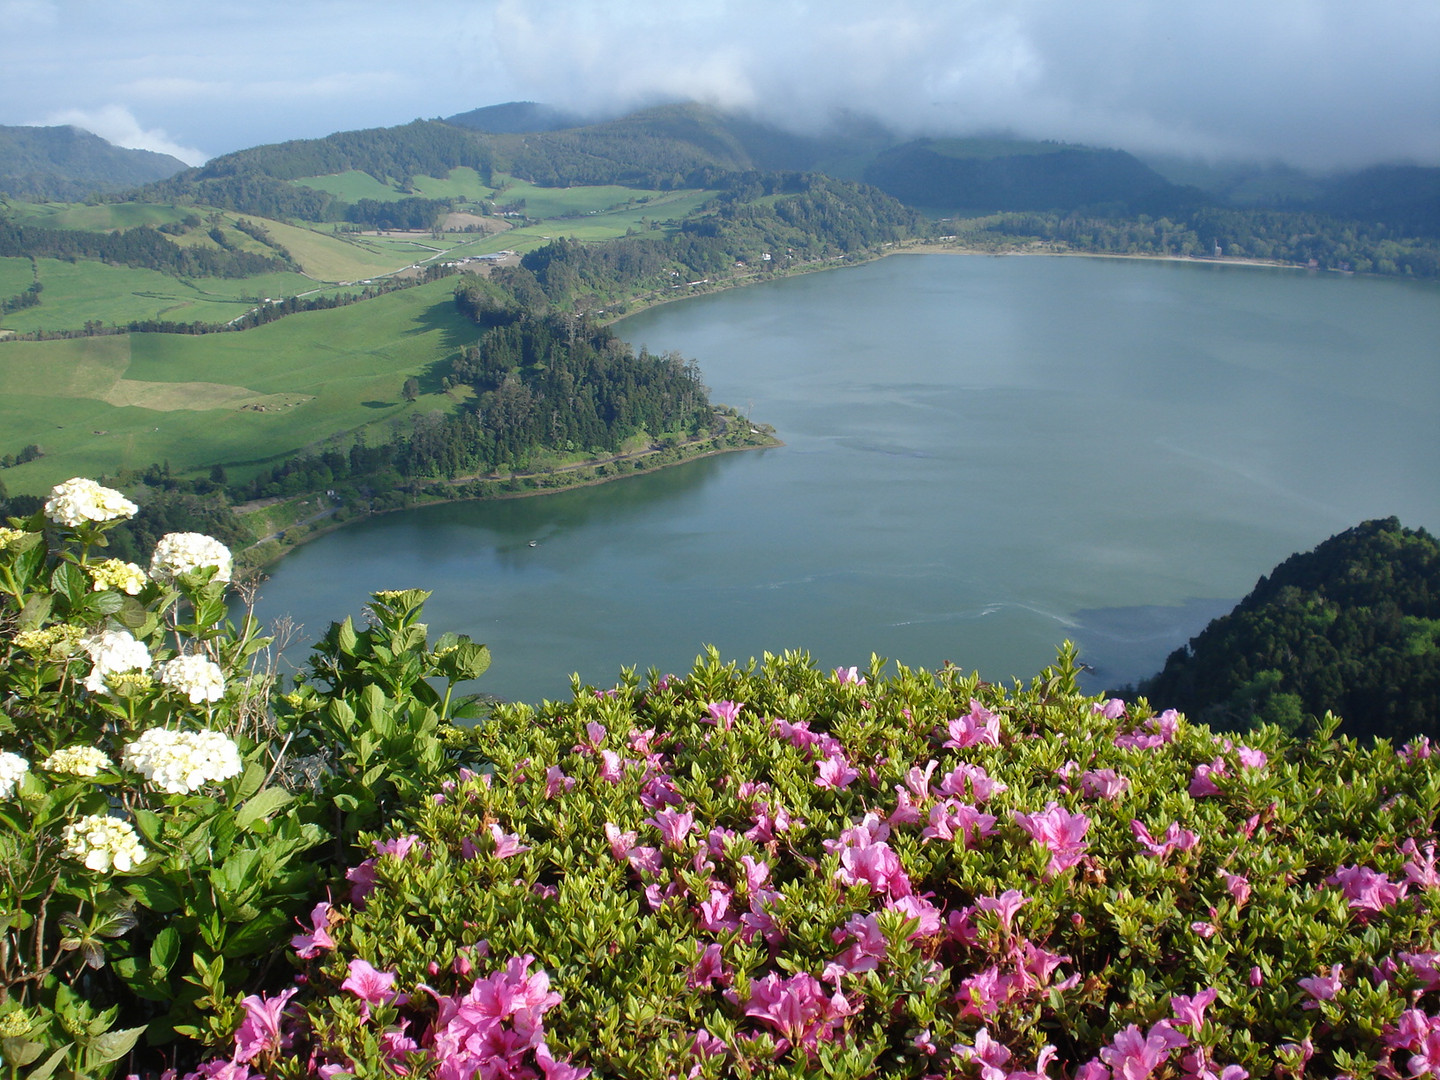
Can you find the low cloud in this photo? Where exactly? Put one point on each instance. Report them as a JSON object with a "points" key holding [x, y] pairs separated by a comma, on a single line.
{"points": [[118, 125]]}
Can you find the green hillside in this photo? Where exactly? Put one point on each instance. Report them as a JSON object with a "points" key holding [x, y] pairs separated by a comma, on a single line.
{"points": [[1352, 627], [67, 163]]}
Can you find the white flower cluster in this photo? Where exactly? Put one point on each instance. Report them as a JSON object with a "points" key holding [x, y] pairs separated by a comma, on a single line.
{"points": [[196, 677], [12, 768], [111, 652], [79, 500], [78, 761], [103, 843], [183, 553], [179, 762], [117, 574]]}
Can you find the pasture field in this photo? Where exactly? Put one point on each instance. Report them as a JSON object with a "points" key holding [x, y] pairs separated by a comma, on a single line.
{"points": [[544, 203], [115, 295], [461, 183], [99, 404], [103, 218], [15, 275]]}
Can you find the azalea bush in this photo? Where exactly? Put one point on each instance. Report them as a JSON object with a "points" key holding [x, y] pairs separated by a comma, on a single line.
{"points": [[162, 822], [780, 871]]}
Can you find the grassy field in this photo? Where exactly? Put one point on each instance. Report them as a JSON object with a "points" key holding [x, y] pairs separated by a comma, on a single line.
{"points": [[461, 183], [15, 276], [98, 404], [88, 290], [101, 218]]}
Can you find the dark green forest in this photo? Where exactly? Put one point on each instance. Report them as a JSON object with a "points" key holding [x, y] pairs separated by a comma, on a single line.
{"points": [[1352, 627], [540, 382], [143, 246]]}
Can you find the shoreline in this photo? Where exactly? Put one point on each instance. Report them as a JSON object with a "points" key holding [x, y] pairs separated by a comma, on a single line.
{"points": [[325, 525]]}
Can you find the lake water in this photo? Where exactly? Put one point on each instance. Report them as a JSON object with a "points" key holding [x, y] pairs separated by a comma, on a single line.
{"points": [[984, 456]]}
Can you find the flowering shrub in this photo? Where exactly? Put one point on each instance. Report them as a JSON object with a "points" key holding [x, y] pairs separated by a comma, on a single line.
{"points": [[160, 825], [785, 872]]}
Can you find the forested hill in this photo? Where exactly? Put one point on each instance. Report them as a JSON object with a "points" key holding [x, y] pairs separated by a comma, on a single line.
{"points": [[68, 164], [1352, 627], [986, 175]]}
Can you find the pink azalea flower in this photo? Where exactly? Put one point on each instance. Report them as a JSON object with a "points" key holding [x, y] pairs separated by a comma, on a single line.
{"points": [[1112, 709], [920, 909], [756, 873], [1058, 830], [1190, 1011], [259, 1034], [986, 992], [917, 779], [797, 1008], [308, 946], [980, 727], [659, 791], [674, 827], [1367, 890], [556, 782], [506, 844], [400, 847], [1416, 750], [972, 779], [1322, 987], [1238, 886], [709, 969], [1175, 837], [362, 882], [905, 812], [1004, 906], [723, 714], [1135, 1056], [850, 675], [875, 865], [951, 819], [612, 768], [645, 860], [369, 985], [835, 773], [1420, 869], [1202, 784], [1426, 966], [1251, 759], [866, 951], [621, 843], [1103, 784]]}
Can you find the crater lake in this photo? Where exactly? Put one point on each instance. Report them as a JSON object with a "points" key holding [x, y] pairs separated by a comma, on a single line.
{"points": [[984, 456]]}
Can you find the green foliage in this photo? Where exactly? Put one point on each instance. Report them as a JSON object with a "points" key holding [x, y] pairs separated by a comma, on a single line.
{"points": [[559, 853], [1352, 627], [160, 827]]}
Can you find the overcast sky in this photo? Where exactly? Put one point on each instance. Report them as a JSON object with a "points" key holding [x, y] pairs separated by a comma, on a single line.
{"points": [[1313, 82]]}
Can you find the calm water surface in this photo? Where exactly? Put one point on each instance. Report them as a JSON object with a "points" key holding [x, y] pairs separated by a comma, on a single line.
{"points": [[984, 456]]}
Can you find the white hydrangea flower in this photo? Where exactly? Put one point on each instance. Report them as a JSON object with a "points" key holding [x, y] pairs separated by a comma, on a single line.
{"points": [[78, 761], [117, 574], [179, 762], [79, 500], [103, 843], [12, 768], [181, 553], [196, 677], [111, 652]]}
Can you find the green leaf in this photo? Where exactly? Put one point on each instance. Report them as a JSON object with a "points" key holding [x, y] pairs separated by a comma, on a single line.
{"points": [[113, 1045], [250, 782], [345, 637], [47, 1069], [164, 951], [159, 896], [36, 611], [20, 1051], [262, 806]]}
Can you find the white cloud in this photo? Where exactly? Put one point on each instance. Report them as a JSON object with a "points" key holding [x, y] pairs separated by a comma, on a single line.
{"points": [[118, 125]]}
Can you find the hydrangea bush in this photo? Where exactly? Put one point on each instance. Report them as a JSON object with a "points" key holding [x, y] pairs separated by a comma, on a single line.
{"points": [[157, 834], [788, 872]]}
